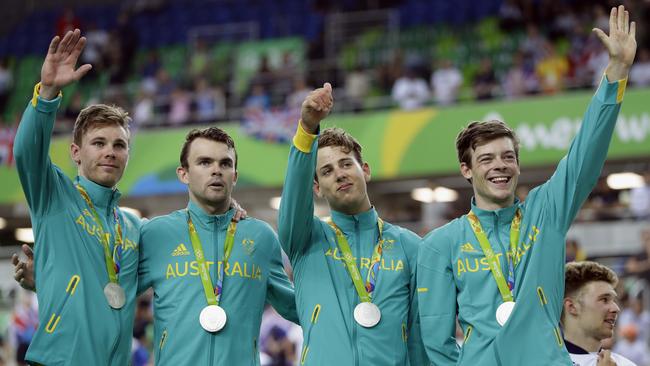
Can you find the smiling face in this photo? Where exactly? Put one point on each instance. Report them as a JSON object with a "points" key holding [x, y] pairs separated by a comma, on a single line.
{"points": [[341, 180], [210, 174], [494, 173], [102, 154], [595, 310]]}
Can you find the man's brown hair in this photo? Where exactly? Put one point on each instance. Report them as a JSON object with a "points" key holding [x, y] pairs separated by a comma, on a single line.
{"points": [[99, 115], [478, 133], [579, 274], [210, 133], [337, 137]]}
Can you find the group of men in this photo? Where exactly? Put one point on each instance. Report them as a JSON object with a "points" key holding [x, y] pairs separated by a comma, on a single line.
{"points": [[365, 292]]}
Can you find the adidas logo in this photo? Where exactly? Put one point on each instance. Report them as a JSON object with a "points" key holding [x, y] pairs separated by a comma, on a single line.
{"points": [[467, 247], [180, 250]]}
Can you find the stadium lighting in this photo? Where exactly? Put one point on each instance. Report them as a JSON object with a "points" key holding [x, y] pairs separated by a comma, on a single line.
{"points": [[25, 235], [439, 194], [3, 223], [274, 202], [133, 211], [625, 180]]}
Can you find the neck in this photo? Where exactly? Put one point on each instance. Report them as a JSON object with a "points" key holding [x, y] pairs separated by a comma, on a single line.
{"points": [[214, 208], [576, 336], [491, 205], [355, 209], [79, 173]]}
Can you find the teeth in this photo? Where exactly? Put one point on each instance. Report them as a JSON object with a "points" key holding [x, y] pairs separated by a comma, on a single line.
{"points": [[499, 180]]}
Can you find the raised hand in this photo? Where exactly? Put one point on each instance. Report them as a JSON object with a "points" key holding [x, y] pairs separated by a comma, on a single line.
{"points": [[24, 271], [621, 43], [316, 107], [58, 68], [605, 359]]}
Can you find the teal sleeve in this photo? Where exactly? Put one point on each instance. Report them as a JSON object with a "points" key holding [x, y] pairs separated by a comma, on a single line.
{"points": [[578, 171], [280, 293], [296, 214], [144, 264], [38, 175], [437, 302], [417, 355]]}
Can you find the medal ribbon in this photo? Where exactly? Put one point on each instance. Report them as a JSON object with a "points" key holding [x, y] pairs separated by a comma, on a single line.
{"points": [[112, 262], [212, 294], [365, 292], [504, 288]]}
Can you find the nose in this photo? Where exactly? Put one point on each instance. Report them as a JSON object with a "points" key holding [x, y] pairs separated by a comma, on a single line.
{"points": [[340, 174], [616, 309]]}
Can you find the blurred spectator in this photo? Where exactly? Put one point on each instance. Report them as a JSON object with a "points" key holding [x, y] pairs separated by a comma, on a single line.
{"points": [[286, 76], [552, 70], [533, 43], [388, 73], [95, 51], [143, 318], [6, 84], [514, 83], [265, 77], [639, 265], [274, 339], [597, 63], [446, 82], [604, 202], [510, 15], [179, 107], [259, 98], [298, 94], [640, 72], [631, 346], [143, 109], [209, 102], [126, 39], [485, 82], [199, 60], [149, 70], [24, 323], [68, 21], [579, 74], [574, 252], [636, 314], [164, 84], [601, 18], [410, 91], [640, 199], [356, 88]]}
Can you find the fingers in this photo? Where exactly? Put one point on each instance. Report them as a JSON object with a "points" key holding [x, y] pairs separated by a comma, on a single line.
{"points": [[14, 259], [27, 250], [54, 44], [78, 47], [620, 19], [626, 22], [633, 30], [612, 20], [601, 35], [65, 42], [81, 71], [73, 42]]}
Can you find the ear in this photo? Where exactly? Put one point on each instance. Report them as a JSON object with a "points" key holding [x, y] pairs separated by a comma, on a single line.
{"points": [[75, 153], [466, 170], [570, 306], [366, 171], [234, 178], [317, 189], [181, 173]]}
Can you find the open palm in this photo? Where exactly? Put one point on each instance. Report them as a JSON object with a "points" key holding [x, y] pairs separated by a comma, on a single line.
{"points": [[59, 66], [621, 42]]}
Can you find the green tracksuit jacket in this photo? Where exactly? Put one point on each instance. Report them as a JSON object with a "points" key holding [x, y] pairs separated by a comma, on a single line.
{"points": [[325, 294], [76, 324], [454, 278], [254, 275]]}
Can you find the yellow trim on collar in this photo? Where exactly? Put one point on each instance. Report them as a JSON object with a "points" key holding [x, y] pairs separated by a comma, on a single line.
{"points": [[303, 140], [37, 90]]}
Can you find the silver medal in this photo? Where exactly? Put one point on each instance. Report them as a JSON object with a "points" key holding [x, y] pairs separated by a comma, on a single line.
{"points": [[115, 295], [213, 318], [367, 314], [503, 312]]}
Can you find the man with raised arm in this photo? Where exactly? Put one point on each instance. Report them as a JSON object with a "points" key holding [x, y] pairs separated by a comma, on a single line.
{"points": [[85, 262], [500, 268], [354, 274]]}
